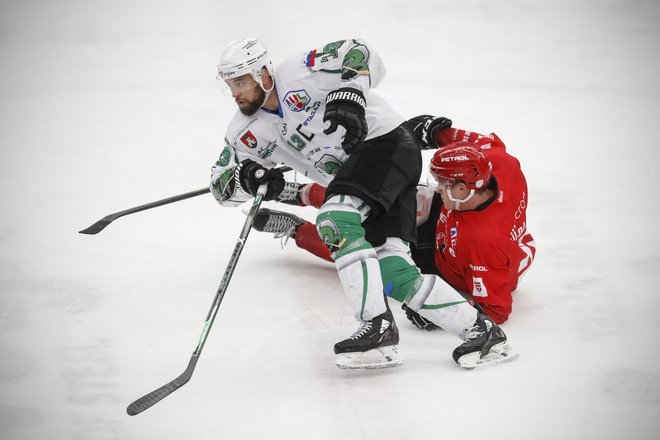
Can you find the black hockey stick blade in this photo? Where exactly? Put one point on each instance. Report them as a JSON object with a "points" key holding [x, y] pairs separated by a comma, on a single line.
{"points": [[149, 400], [99, 225], [105, 221]]}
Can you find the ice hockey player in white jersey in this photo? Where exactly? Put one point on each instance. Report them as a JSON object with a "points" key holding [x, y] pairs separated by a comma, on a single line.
{"points": [[316, 113]]}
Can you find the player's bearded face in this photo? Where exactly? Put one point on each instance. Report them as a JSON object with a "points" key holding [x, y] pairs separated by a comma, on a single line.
{"points": [[249, 96]]}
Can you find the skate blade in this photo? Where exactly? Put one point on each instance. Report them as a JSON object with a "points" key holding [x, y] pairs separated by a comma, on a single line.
{"points": [[498, 354], [381, 357]]}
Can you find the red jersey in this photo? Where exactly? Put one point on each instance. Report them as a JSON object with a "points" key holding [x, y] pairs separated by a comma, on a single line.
{"points": [[485, 252]]}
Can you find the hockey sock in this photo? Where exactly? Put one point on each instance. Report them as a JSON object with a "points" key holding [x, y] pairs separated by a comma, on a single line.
{"points": [[312, 194], [307, 238]]}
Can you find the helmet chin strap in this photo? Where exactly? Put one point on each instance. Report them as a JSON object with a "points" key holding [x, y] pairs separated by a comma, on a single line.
{"points": [[457, 202], [261, 84]]}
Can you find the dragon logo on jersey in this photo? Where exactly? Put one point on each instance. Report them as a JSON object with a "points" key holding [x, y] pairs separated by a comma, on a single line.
{"points": [[225, 157], [329, 51], [356, 62], [328, 164], [249, 140], [297, 100]]}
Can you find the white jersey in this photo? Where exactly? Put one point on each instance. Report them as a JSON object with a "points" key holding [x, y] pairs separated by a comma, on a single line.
{"points": [[294, 136]]}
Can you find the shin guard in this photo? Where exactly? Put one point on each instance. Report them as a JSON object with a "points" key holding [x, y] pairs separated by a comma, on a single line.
{"points": [[339, 224]]}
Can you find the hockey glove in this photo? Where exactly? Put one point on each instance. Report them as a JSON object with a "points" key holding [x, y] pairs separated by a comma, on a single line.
{"points": [[425, 129], [345, 107], [417, 319], [250, 175]]}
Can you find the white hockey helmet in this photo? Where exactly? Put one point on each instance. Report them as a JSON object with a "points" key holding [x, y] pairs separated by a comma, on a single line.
{"points": [[245, 56]]}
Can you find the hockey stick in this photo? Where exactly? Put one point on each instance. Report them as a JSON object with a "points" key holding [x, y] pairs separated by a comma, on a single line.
{"points": [[156, 396], [105, 221]]}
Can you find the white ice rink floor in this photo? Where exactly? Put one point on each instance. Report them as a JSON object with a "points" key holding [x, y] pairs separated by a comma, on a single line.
{"points": [[108, 105]]}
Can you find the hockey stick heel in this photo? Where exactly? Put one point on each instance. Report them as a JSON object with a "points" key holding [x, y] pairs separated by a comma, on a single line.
{"points": [[149, 400]]}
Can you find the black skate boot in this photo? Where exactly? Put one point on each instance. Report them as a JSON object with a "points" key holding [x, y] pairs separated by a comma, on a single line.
{"points": [[282, 224], [373, 345], [291, 194], [485, 344]]}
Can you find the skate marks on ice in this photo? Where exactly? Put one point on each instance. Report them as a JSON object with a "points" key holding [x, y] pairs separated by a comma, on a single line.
{"points": [[69, 296], [14, 417], [13, 315], [90, 373], [51, 313], [18, 368], [633, 386], [90, 376], [17, 364]]}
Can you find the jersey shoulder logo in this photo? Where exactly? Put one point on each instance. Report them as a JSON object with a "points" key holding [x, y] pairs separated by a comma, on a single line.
{"points": [[297, 100], [249, 140], [329, 52]]}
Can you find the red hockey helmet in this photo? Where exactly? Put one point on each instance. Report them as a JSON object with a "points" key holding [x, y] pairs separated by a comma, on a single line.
{"points": [[461, 161]]}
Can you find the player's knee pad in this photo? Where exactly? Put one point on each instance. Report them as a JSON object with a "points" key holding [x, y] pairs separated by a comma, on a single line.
{"points": [[339, 224], [401, 277]]}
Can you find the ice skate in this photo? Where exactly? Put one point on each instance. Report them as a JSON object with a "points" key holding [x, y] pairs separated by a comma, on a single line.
{"points": [[373, 345], [291, 194], [282, 224], [485, 344]]}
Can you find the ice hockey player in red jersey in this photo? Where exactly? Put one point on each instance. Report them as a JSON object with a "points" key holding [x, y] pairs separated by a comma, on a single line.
{"points": [[472, 230], [482, 245]]}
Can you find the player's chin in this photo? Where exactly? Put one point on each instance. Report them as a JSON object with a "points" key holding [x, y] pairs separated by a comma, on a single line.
{"points": [[247, 108]]}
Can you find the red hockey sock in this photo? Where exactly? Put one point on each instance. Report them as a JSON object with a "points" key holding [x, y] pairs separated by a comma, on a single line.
{"points": [[313, 194], [308, 238]]}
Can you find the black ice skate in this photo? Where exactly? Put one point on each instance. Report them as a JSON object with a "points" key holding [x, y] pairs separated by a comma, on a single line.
{"points": [[282, 224], [373, 345], [485, 344], [291, 194]]}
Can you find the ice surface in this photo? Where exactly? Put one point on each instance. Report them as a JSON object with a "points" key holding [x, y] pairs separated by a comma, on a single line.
{"points": [[109, 105]]}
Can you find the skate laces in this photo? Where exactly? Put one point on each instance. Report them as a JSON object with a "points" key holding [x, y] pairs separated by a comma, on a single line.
{"points": [[474, 333], [290, 192], [282, 226], [365, 327], [477, 331]]}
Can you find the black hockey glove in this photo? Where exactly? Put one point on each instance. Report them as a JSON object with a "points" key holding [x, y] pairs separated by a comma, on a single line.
{"points": [[250, 175], [345, 107], [425, 128], [417, 319]]}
